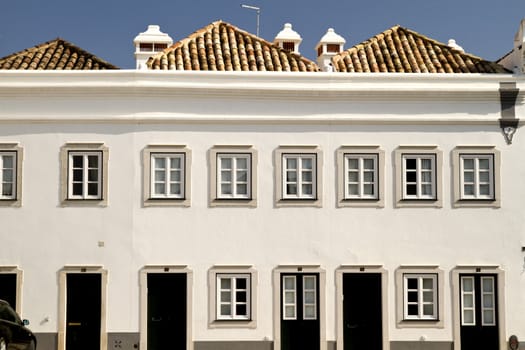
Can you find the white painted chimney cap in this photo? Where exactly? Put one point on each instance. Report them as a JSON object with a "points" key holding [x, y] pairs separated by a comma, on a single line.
{"points": [[153, 35], [452, 44], [331, 37], [288, 34]]}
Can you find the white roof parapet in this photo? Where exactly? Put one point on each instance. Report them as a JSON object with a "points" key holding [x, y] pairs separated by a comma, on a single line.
{"points": [[287, 33], [331, 37]]}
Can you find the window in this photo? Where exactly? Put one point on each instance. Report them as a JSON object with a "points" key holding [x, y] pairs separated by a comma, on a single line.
{"points": [[166, 175], [359, 171], [233, 176], [84, 173], [419, 176], [232, 297], [419, 296], [298, 175], [10, 174], [476, 176]]}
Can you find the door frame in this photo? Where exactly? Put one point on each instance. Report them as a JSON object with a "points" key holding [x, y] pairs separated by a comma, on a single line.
{"points": [[143, 281], [19, 284], [304, 269], [62, 292], [356, 269], [456, 297]]}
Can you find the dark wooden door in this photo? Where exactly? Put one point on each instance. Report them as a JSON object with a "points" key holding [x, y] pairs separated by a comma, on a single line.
{"points": [[362, 311], [300, 327], [167, 311], [8, 288], [479, 312], [83, 311]]}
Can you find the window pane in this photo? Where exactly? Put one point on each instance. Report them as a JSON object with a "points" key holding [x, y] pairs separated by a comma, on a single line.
{"points": [[426, 164], [93, 189], [77, 189], [428, 309], [488, 317], [307, 176], [175, 163], [175, 189], [291, 176], [307, 163], [488, 301], [78, 162], [309, 311], [468, 176], [368, 189], [353, 163], [307, 189], [242, 163], [428, 283], [411, 176], [410, 163], [289, 283], [428, 297], [241, 310], [240, 283], [412, 283], [226, 297], [412, 297], [78, 175], [226, 163], [160, 188], [426, 176], [468, 190], [291, 163], [242, 189], [468, 300], [353, 176], [240, 297], [93, 175], [426, 190], [160, 175], [226, 283], [309, 283], [368, 163], [226, 310], [226, 189], [484, 177], [468, 317], [411, 189], [309, 298], [413, 310], [175, 175], [468, 163], [484, 190], [289, 297], [488, 286], [242, 176], [8, 175], [368, 176], [226, 175], [93, 161], [353, 190], [468, 285], [160, 163], [291, 189], [8, 162], [289, 311], [484, 164], [7, 189]]}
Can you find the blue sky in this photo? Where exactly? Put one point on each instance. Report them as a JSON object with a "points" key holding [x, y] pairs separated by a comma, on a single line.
{"points": [[107, 28]]}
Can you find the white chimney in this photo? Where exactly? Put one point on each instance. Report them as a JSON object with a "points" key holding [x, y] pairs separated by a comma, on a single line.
{"points": [[330, 45], [149, 43], [452, 44], [288, 39], [515, 60]]}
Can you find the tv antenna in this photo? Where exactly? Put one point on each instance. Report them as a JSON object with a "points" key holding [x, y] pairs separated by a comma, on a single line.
{"points": [[258, 10]]}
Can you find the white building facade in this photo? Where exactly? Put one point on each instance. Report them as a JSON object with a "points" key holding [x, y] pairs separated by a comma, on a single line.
{"points": [[275, 210]]}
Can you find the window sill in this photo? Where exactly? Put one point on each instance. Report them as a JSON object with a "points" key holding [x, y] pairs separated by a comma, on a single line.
{"points": [[364, 203], [421, 203], [233, 324], [84, 203], [435, 323], [14, 203], [167, 202], [299, 202], [233, 202], [477, 203]]}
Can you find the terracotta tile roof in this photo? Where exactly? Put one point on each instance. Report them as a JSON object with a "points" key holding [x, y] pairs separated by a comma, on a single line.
{"points": [[57, 54], [221, 46], [400, 50]]}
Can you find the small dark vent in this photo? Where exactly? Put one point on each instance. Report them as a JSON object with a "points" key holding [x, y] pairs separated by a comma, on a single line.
{"points": [[332, 48], [289, 46]]}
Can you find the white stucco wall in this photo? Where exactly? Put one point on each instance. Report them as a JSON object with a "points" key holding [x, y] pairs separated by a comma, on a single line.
{"points": [[51, 110]]}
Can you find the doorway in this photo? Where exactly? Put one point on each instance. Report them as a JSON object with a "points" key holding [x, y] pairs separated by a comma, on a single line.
{"points": [[8, 287], [362, 311], [83, 311], [167, 311]]}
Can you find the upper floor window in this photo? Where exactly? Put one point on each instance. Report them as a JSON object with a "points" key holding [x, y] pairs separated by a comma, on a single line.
{"points": [[361, 178], [166, 175], [84, 173], [8, 175], [419, 176], [298, 175], [233, 175], [420, 295], [476, 176]]}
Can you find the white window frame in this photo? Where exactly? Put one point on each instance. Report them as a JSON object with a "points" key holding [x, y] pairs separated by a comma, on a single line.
{"points": [[218, 199], [234, 182], [168, 182], [360, 152], [420, 296], [299, 158], [233, 303], [435, 198], [459, 154], [492, 296], [419, 171], [464, 308], [14, 174], [66, 167], [12, 149], [360, 170], [85, 175], [314, 291], [476, 172], [292, 304]]}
